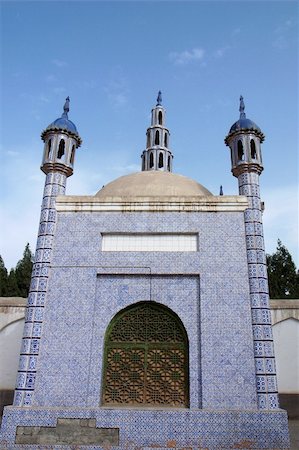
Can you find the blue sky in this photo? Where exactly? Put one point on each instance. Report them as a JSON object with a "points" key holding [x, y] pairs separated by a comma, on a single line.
{"points": [[111, 58]]}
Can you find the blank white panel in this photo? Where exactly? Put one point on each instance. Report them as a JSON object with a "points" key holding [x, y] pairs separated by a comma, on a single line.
{"points": [[149, 243]]}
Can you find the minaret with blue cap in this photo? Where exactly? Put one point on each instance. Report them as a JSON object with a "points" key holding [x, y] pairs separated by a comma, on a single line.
{"points": [[157, 155], [244, 139], [61, 140]]}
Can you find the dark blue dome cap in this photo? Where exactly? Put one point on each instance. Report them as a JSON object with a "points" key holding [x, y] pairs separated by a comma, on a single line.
{"points": [[63, 122], [244, 123]]}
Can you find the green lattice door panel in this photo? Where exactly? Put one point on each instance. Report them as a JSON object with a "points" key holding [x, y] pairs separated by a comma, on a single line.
{"points": [[146, 358]]}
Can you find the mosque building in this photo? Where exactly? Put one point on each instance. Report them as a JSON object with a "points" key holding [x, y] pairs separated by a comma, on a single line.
{"points": [[148, 321]]}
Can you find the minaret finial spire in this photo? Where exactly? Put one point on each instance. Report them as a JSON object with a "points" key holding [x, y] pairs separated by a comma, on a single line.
{"points": [[242, 108], [159, 99], [66, 107]]}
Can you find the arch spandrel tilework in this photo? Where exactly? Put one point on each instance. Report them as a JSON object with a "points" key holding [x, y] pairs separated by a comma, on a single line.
{"points": [[146, 358]]}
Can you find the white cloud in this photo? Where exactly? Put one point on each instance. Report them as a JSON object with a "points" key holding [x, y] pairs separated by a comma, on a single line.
{"points": [[280, 43], [43, 98], [284, 26], [236, 31], [35, 99], [187, 56], [281, 35], [119, 99], [12, 153], [220, 52], [18, 228], [59, 90], [50, 78], [281, 219], [20, 202], [126, 169], [117, 92], [59, 63], [86, 84]]}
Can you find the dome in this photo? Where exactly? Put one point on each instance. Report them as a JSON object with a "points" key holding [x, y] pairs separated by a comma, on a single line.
{"points": [[64, 124], [244, 124], [153, 184]]}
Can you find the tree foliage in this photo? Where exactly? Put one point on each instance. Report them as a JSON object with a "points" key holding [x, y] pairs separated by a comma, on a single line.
{"points": [[12, 289], [3, 278], [17, 282], [23, 272], [282, 275]]}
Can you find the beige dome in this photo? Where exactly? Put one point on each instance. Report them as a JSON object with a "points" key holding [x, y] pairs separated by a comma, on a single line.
{"points": [[153, 184]]}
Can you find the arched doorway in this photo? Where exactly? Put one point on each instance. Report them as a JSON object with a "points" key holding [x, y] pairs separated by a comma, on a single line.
{"points": [[146, 358]]}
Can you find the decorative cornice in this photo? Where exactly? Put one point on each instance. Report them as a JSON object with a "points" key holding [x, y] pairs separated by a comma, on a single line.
{"points": [[53, 129], [243, 131], [152, 204], [246, 168], [57, 167]]}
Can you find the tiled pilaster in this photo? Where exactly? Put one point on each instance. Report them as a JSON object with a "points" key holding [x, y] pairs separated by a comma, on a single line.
{"points": [[54, 185], [266, 382]]}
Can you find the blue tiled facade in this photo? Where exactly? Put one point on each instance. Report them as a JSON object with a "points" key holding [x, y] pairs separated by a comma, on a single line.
{"points": [[205, 289], [208, 290]]}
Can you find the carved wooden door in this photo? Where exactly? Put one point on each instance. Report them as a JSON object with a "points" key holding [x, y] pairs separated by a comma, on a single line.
{"points": [[146, 358]]}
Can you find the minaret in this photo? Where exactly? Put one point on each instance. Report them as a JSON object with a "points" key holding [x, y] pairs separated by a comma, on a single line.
{"points": [[244, 140], [157, 155], [61, 140]]}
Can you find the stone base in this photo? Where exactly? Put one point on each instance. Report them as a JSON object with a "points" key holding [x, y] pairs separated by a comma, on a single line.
{"points": [[6, 398], [290, 402], [131, 429]]}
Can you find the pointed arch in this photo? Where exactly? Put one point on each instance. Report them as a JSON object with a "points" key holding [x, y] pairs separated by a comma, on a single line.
{"points": [[240, 151], [72, 155], [157, 138], [61, 149], [165, 139], [161, 160], [49, 148], [146, 358], [160, 118], [252, 149], [151, 162]]}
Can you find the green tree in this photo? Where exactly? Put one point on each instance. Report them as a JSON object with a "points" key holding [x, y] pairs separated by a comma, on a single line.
{"points": [[23, 272], [3, 278], [283, 279], [12, 285]]}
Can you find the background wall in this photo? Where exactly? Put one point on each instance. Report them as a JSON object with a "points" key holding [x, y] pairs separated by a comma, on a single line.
{"points": [[12, 312], [285, 320]]}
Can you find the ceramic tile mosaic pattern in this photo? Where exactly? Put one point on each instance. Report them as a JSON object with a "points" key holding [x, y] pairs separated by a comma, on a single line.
{"points": [[206, 289], [86, 295], [54, 185], [266, 382], [192, 429]]}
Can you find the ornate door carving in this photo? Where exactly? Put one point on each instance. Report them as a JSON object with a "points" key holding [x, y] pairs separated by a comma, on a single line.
{"points": [[146, 358]]}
